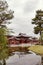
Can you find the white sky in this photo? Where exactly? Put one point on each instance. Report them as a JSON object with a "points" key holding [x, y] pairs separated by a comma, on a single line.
{"points": [[24, 11]]}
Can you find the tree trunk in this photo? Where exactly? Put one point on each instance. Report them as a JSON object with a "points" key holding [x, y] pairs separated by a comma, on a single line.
{"points": [[4, 62], [41, 41], [41, 60]]}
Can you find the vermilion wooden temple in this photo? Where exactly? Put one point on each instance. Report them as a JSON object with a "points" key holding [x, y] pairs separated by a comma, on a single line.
{"points": [[22, 39]]}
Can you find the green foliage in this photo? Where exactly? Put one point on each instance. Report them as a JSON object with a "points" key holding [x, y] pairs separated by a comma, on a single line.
{"points": [[38, 21], [3, 44], [5, 15], [36, 30]]}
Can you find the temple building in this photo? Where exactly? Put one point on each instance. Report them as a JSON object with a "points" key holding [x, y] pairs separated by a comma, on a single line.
{"points": [[22, 39]]}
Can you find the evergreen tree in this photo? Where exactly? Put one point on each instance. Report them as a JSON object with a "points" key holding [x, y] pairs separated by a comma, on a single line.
{"points": [[5, 15], [38, 21]]}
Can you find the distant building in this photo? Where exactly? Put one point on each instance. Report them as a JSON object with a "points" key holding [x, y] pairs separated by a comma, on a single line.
{"points": [[22, 39]]}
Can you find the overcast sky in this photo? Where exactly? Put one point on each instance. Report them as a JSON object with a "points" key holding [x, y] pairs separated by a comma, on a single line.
{"points": [[24, 11]]}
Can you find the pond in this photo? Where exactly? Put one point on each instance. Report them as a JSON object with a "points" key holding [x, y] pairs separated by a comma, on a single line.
{"points": [[22, 58]]}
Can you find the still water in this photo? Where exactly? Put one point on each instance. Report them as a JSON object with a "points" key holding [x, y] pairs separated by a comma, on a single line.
{"points": [[21, 58]]}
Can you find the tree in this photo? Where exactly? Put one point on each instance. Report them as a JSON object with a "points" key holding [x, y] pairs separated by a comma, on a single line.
{"points": [[5, 15], [38, 21]]}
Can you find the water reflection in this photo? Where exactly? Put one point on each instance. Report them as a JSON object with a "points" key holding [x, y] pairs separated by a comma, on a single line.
{"points": [[24, 58], [22, 54]]}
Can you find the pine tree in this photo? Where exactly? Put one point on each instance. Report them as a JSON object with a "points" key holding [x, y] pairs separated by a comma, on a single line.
{"points": [[38, 21], [5, 15]]}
